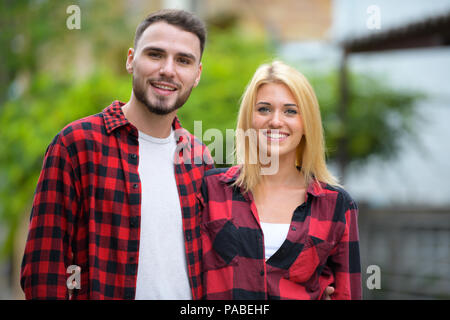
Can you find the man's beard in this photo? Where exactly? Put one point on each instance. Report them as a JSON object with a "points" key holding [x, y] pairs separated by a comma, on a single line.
{"points": [[160, 107]]}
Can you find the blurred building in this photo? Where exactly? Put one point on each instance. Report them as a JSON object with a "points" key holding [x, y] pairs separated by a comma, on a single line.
{"points": [[285, 20], [405, 228], [411, 246]]}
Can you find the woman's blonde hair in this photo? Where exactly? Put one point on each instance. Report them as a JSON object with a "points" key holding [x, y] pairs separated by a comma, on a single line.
{"points": [[311, 150]]}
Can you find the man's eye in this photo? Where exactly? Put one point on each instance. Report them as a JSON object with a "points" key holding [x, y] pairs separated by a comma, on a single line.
{"points": [[184, 61], [155, 55]]}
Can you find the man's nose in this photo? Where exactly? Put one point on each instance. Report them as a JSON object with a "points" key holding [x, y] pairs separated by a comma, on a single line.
{"points": [[167, 68]]}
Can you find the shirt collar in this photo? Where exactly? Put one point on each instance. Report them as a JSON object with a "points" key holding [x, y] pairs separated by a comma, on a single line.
{"points": [[315, 188], [114, 117]]}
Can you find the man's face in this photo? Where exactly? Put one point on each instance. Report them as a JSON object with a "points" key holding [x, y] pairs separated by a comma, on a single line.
{"points": [[166, 66]]}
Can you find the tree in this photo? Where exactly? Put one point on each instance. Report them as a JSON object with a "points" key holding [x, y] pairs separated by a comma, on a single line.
{"points": [[377, 116]]}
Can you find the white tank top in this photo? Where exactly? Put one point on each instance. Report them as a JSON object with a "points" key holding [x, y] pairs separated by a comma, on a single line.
{"points": [[274, 236]]}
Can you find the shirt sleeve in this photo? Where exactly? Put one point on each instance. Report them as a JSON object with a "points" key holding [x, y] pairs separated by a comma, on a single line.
{"points": [[345, 261], [47, 251]]}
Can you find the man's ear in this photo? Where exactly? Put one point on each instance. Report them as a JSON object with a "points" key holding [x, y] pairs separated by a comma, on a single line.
{"points": [[197, 80], [130, 59]]}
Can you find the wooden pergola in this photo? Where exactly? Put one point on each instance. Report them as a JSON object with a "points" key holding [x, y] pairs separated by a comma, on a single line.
{"points": [[427, 33]]}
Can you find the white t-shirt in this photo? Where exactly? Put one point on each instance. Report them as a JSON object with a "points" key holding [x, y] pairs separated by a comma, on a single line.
{"points": [[274, 236], [162, 266]]}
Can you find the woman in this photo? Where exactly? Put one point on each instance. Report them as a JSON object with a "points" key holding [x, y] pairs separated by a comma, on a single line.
{"points": [[278, 226]]}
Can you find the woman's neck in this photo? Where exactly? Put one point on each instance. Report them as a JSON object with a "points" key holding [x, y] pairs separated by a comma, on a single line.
{"points": [[287, 175]]}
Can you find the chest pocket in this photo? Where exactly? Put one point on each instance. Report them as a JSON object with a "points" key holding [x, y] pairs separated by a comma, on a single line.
{"points": [[220, 244], [313, 255]]}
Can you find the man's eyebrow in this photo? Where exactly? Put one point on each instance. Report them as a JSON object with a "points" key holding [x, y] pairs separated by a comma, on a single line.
{"points": [[150, 48], [181, 54]]}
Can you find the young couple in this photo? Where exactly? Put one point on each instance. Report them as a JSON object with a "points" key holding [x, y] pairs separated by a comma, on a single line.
{"points": [[117, 198]]}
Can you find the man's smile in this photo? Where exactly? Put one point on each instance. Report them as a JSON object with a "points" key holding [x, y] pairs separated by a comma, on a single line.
{"points": [[163, 88]]}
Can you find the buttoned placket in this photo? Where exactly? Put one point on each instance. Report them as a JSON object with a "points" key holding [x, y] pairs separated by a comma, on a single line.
{"points": [[182, 141], [263, 270], [130, 160]]}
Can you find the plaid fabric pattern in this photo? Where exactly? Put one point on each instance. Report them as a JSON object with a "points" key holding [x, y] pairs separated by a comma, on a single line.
{"points": [[86, 209], [321, 249]]}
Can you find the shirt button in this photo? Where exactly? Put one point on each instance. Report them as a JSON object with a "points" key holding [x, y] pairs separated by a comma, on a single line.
{"points": [[133, 222], [133, 156], [135, 186], [293, 228], [262, 272], [128, 295]]}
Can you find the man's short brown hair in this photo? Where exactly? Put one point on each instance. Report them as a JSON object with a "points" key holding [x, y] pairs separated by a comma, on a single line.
{"points": [[179, 18]]}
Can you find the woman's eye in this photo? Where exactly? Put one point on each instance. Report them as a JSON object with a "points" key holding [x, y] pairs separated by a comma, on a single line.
{"points": [[263, 109], [291, 111]]}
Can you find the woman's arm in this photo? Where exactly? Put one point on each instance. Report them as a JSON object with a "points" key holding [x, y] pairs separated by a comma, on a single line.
{"points": [[345, 259]]}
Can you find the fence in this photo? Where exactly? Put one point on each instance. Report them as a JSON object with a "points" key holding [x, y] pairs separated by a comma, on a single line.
{"points": [[411, 246]]}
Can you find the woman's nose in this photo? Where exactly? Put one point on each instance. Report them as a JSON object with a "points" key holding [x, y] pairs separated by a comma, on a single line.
{"points": [[275, 121]]}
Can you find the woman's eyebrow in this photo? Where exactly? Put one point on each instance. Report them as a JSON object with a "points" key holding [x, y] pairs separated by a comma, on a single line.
{"points": [[286, 104]]}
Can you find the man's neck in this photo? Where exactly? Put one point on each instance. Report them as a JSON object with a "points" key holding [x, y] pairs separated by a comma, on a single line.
{"points": [[155, 125]]}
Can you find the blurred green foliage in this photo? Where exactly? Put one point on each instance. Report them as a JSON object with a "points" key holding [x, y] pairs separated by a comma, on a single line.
{"points": [[378, 114], [30, 123], [53, 97]]}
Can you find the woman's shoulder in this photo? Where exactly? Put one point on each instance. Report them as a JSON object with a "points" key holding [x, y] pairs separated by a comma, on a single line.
{"points": [[225, 174], [220, 176], [341, 195], [215, 172]]}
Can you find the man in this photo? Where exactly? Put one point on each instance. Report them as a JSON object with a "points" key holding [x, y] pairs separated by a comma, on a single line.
{"points": [[116, 195], [116, 198]]}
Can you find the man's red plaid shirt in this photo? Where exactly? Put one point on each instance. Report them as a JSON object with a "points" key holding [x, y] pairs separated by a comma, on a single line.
{"points": [[87, 205], [321, 248]]}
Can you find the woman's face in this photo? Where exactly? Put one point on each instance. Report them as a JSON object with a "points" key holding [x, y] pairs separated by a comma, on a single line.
{"points": [[276, 117]]}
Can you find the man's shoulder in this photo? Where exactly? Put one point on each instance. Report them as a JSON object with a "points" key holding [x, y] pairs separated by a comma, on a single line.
{"points": [[88, 128], [193, 140], [93, 122]]}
